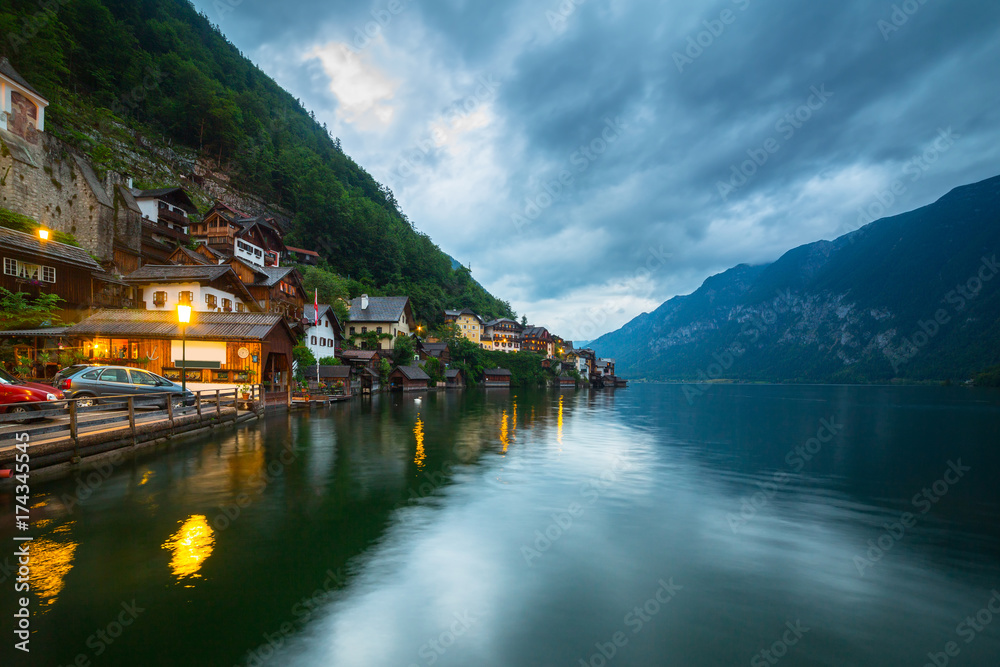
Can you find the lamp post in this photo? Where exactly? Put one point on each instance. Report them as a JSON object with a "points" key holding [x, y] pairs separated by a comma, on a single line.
{"points": [[43, 234], [184, 317]]}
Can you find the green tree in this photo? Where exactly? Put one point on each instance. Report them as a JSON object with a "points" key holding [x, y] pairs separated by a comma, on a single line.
{"points": [[20, 311], [402, 352]]}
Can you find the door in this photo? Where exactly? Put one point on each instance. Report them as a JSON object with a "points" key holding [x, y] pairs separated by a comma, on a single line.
{"points": [[144, 384], [114, 382]]}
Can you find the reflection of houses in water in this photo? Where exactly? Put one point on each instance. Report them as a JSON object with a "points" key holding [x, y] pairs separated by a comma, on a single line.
{"points": [[51, 561]]}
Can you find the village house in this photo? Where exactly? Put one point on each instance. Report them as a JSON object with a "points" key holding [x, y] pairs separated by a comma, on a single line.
{"points": [[330, 376], [408, 378], [165, 222], [300, 256], [206, 288], [389, 317], [468, 324], [35, 266], [439, 351], [538, 340], [255, 240], [321, 338], [219, 347], [454, 378], [275, 289], [496, 377], [502, 335]]}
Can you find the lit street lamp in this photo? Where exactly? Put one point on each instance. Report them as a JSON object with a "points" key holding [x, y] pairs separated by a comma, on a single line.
{"points": [[184, 316], [43, 234]]}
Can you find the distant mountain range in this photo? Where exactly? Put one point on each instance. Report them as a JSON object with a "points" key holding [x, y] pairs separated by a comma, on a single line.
{"points": [[915, 297]]}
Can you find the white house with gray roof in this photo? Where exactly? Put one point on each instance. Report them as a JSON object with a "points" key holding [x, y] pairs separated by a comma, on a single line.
{"points": [[391, 316]]}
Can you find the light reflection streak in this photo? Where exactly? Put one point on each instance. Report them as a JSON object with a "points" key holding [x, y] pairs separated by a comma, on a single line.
{"points": [[504, 438], [192, 544], [51, 561], [418, 432]]}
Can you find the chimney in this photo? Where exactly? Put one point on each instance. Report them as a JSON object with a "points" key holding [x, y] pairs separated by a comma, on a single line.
{"points": [[364, 302], [129, 182]]}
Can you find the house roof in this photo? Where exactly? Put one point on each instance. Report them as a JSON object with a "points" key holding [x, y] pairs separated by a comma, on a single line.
{"points": [[8, 71], [128, 198], [300, 251], [93, 182], [497, 371], [43, 332], [365, 355], [178, 273], [328, 372], [459, 313], [434, 349], [452, 373], [164, 324], [413, 372], [53, 250], [196, 257], [380, 309], [178, 195], [309, 316], [536, 332], [493, 323], [273, 274]]}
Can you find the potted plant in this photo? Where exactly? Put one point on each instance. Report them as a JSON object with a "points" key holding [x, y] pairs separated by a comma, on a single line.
{"points": [[244, 390], [338, 387]]}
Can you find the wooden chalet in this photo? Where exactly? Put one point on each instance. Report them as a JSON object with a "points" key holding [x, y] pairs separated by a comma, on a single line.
{"points": [[408, 378], [275, 289], [437, 351], [220, 347], [165, 222], [454, 378], [566, 380], [257, 240], [496, 377], [302, 256], [204, 287], [35, 266], [361, 359]]}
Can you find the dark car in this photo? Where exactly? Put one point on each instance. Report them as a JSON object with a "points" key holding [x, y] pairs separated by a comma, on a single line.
{"points": [[20, 397], [93, 384]]}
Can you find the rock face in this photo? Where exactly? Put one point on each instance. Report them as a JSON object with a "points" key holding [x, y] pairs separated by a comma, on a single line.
{"points": [[915, 296]]}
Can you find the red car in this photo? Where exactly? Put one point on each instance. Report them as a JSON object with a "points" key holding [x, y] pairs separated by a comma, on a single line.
{"points": [[17, 396]]}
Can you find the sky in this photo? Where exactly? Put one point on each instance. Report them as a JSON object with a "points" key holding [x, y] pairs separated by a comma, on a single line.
{"points": [[591, 159]]}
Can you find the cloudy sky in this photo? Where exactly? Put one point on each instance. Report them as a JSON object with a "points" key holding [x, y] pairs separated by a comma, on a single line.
{"points": [[592, 158]]}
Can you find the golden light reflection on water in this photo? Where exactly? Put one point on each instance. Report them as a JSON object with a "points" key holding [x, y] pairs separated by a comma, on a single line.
{"points": [[504, 438], [51, 561], [145, 477], [513, 419], [418, 433], [559, 424], [192, 545]]}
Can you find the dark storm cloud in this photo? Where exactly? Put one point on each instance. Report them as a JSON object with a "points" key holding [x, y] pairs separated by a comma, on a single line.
{"points": [[832, 99]]}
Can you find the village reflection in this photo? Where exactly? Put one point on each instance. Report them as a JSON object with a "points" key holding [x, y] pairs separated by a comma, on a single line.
{"points": [[418, 433], [192, 544], [51, 561]]}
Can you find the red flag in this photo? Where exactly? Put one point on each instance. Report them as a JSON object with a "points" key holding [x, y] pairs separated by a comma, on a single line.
{"points": [[316, 305]]}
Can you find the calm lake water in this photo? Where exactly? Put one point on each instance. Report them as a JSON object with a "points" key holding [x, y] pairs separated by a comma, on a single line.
{"points": [[753, 525]]}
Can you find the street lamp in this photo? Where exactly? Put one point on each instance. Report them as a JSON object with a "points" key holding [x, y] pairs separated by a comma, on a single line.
{"points": [[43, 234], [184, 317]]}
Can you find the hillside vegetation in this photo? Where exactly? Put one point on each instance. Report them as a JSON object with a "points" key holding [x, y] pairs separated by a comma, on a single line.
{"points": [[127, 77]]}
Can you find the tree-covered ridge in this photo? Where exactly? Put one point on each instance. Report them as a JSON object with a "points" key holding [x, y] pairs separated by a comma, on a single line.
{"points": [[162, 69]]}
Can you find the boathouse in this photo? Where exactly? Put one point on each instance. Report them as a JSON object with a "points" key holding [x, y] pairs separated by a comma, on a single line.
{"points": [[496, 377]]}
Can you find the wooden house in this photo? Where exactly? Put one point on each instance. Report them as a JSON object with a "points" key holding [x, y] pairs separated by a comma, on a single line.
{"points": [[454, 378], [565, 380], [408, 378], [219, 347], [330, 376], [205, 288], [302, 256], [437, 351], [496, 377], [35, 266]]}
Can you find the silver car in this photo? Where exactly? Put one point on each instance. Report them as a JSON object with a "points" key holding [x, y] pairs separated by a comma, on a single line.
{"points": [[90, 385]]}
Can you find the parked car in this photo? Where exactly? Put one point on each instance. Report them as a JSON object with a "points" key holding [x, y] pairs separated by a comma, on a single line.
{"points": [[70, 370], [20, 397], [95, 384]]}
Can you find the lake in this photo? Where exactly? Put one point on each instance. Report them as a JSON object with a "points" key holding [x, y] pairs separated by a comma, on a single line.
{"points": [[751, 525]]}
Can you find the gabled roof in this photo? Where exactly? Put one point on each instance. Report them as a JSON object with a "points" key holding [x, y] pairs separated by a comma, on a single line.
{"points": [[93, 182], [497, 371], [273, 274], [8, 71], [164, 324], [186, 273], [452, 373], [128, 198], [300, 251], [60, 252], [412, 372], [178, 195], [325, 310], [459, 313], [328, 372], [195, 257], [536, 332], [380, 309], [364, 355], [493, 323]]}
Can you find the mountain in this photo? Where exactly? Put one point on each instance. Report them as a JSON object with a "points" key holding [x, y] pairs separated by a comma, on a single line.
{"points": [[915, 297], [150, 89]]}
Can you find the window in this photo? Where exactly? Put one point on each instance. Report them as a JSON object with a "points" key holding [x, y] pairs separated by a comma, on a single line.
{"points": [[364, 330], [10, 266], [29, 271], [48, 274], [352, 331], [378, 329], [314, 340], [90, 375], [143, 378], [211, 300], [159, 298], [185, 297], [116, 375], [227, 305], [240, 308]]}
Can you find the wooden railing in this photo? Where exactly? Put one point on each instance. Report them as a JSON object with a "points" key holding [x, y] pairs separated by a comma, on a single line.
{"points": [[67, 418]]}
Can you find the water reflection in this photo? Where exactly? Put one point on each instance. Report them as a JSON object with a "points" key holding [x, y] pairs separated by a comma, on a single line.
{"points": [[418, 433], [504, 437], [51, 561], [192, 545]]}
